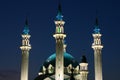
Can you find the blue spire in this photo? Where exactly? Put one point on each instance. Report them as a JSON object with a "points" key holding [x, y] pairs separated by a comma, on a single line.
{"points": [[97, 29], [59, 15], [26, 28]]}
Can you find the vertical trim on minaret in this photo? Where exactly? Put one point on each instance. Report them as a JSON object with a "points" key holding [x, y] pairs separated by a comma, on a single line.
{"points": [[97, 47], [25, 52], [59, 36]]}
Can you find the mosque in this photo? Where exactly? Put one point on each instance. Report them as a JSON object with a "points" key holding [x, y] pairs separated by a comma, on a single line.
{"points": [[62, 65]]}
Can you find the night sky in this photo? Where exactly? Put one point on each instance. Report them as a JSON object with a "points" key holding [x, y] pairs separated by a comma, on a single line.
{"points": [[79, 16]]}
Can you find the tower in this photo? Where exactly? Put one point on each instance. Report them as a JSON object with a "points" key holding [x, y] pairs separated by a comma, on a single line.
{"points": [[83, 68], [25, 52], [97, 47], [59, 36]]}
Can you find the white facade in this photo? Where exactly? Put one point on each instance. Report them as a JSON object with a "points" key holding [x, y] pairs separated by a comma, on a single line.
{"points": [[61, 65], [25, 56], [97, 47]]}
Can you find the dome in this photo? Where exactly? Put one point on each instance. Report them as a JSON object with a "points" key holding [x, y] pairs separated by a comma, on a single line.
{"points": [[83, 60], [68, 59]]}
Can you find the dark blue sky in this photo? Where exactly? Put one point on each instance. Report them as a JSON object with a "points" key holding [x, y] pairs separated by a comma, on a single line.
{"points": [[79, 16]]}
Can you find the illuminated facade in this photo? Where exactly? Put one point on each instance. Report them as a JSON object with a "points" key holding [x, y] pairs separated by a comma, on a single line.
{"points": [[61, 65], [25, 52], [59, 36], [97, 47]]}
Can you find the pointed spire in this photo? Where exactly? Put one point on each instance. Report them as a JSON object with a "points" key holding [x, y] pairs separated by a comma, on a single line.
{"points": [[97, 29], [26, 22], [59, 8], [59, 14], [26, 28], [96, 22]]}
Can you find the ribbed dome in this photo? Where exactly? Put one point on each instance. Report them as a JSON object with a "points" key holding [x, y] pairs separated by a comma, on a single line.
{"points": [[68, 59]]}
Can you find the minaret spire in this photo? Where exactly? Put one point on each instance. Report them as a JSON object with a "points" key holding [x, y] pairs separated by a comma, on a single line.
{"points": [[96, 21], [97, 29], [60, 47], [97, 47], [25, 48], [59, 14], [26, 28]]}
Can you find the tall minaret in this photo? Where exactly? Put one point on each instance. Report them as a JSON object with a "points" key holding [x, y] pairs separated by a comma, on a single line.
{"points": [[25, 52], [59, 36], [84, 68], [97, 47]]}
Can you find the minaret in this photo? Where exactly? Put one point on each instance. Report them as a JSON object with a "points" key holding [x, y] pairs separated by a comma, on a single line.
{"points": [[97, 47], [25, 52], [59, 36], [84, 68]]}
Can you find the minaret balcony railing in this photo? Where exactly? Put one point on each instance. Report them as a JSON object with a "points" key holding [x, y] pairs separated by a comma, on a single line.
{"points": [[26, 36], [97, 35], [59, 36], [59, 22], [97, 46], [25, 47]]}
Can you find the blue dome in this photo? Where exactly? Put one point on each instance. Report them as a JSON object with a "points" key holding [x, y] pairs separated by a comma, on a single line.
{"points": [[68, 59], [66, 55]]}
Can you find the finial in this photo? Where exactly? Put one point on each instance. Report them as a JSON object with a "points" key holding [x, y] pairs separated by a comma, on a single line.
{"points": [[26, 28], [96, 22], [83, 60], [59, 14], [59, 8], [26, 22], [96, 30]]}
